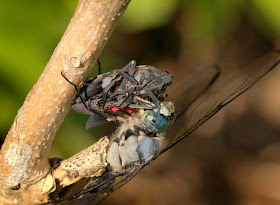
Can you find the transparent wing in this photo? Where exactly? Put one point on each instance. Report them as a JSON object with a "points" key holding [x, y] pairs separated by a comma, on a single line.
{"points": [[191, 88], [216, 99], [88, 198]]}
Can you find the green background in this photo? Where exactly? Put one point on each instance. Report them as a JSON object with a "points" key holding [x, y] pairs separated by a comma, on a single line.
{"points": [[174, 35]]}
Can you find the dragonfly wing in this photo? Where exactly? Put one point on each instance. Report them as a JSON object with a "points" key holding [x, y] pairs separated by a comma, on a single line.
{"points": [[192, 87], [217, 99], [105, 191]]}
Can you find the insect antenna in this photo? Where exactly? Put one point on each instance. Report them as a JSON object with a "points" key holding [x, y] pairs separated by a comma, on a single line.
{"points": [[75, 86], [99, 66], [77, 90]]}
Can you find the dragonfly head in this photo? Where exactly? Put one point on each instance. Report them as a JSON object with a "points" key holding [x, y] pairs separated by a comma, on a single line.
{"points": [[159, 122]]}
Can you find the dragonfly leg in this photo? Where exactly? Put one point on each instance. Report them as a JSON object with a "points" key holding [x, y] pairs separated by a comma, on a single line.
{"points": [[156, 101], [131, 65], [148, 104], [132, 173]]}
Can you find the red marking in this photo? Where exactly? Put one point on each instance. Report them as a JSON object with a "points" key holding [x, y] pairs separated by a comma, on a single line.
{"points": [[117, 84], [127, 109], [114, 109]]}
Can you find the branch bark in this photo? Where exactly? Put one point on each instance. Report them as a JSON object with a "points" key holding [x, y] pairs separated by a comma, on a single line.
{"points": [[25, 168]]}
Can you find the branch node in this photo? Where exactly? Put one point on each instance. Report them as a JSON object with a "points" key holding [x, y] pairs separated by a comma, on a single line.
{"points": [[75, 62], [70, 65]]}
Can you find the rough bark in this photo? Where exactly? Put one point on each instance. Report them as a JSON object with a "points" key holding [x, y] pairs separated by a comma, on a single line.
{"points": [[25, 171]]}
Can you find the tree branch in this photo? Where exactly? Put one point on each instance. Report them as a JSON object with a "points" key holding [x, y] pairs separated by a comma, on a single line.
{"points": [[24, 154]]}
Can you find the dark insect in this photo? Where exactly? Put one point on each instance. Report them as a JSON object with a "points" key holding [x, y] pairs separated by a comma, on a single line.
{"points": [[121, 92], [188, 92]]}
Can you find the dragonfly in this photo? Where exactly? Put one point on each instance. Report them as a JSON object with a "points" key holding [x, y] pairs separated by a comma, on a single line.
{"points": [[197, 89]]}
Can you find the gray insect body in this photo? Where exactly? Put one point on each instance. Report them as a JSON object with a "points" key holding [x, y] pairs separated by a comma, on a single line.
{"points": [[121, 92], [133, 144], [149, 82]]}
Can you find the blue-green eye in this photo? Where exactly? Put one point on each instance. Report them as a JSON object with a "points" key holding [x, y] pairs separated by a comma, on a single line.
{"points": [[165, 117]]}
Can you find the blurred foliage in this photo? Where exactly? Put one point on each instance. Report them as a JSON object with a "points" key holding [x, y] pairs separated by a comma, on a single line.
{"points": [[146, 14], [150, 31], [266, 14], [29, 33], [30, 30]]}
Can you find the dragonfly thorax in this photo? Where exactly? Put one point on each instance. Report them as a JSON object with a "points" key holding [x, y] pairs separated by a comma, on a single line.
{"points": [[132, 143], [139, 137]]}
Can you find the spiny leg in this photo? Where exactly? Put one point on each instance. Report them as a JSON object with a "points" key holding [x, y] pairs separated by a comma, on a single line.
{"points": [[121, 72], [130, 91], [145, 103], [107, 89], [154, 98], [127, 77], [121, 110], [151, 94], [131, 79], [131, 65]]}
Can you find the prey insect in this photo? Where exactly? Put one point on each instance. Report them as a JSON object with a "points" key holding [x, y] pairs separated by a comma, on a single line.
{"points": [[112, 95], [187, 93]]}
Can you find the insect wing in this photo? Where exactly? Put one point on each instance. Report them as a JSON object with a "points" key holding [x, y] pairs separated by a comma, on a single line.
{"points": [[105, 186], [89, 199], [80, 108], [91, 87], [95, 120], [217, 99], [191, 88]]}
